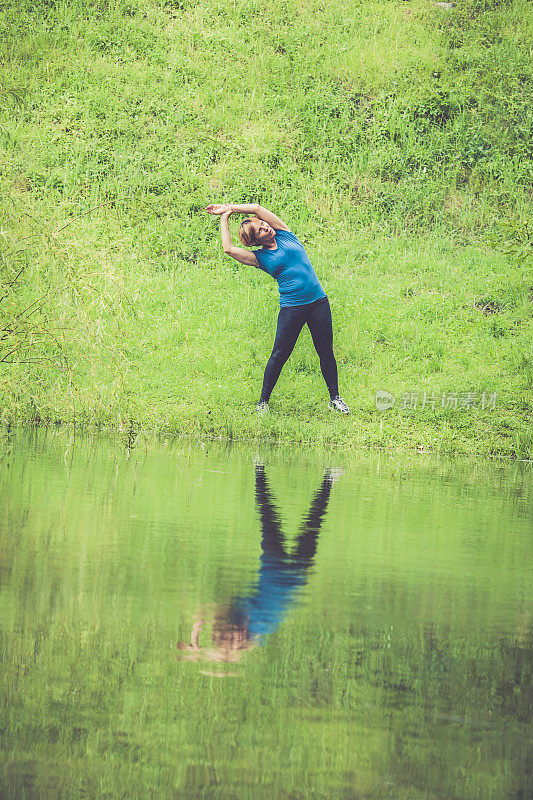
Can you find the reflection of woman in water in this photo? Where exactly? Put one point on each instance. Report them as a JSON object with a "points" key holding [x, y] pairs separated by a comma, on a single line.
{"points": [[242, 625]]}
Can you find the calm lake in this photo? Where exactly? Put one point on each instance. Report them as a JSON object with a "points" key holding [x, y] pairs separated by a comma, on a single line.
{"points": [[206, 621]]}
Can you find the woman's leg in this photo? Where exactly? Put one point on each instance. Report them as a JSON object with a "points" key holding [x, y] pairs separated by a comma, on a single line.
{"points": [[321, 327], [272, 539], [290, 323], [310, 528]]}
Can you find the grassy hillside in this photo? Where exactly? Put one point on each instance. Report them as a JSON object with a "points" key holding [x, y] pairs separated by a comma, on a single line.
{"points": [[393, 137]]}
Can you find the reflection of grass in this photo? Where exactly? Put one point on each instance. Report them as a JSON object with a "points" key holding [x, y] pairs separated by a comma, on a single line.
{"points": [[388, 148], [390, 674]]}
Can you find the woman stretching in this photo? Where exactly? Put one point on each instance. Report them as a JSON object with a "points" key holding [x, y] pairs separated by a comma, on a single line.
{"points": [[301, 297]]}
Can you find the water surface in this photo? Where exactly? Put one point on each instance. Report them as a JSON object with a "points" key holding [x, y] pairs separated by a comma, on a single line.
{"points": [[184, 621]]}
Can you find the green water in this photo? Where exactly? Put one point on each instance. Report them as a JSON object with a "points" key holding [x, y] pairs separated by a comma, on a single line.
{"points": [[363, 635]]}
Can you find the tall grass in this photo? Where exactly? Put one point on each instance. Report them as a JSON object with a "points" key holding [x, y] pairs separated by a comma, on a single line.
{"points": [[395, 140]]}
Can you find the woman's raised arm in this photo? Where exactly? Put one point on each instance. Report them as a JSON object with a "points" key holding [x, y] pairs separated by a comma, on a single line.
{"points": [[249, 208], [268, 216], [238, 253]]}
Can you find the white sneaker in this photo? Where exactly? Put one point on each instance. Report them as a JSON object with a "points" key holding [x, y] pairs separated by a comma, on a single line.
{"points": [[332, 474], [262, 407], [338, 404]]}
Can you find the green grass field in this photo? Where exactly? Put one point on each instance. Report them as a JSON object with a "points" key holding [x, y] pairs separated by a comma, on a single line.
{"points": [[393, 137]]}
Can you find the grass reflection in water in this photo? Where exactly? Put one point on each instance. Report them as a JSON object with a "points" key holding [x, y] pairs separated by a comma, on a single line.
{"points": [[393, 660]]}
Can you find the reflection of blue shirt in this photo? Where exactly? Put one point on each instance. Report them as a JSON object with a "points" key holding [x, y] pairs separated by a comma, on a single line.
{"points": [[263, 611], [289, 265]]}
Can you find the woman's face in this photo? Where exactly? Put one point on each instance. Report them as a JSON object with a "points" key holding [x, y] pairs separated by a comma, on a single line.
{"points": [[264, 233]]}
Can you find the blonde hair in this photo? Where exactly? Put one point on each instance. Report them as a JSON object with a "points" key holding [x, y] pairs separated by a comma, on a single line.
{"points": [[246, 233]]}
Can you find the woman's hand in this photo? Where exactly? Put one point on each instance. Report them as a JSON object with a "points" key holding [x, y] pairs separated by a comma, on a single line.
{"points": [[219, 208]]}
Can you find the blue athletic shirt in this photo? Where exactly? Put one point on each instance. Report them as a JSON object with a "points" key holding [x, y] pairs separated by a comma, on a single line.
{"points": [[289, 265], [262, 611]]}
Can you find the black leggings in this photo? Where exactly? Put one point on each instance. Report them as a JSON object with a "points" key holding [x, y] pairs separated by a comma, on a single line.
{"points": [[291, 320]]}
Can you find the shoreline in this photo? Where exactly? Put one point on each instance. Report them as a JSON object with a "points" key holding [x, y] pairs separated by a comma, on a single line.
{"points": [[131, 433]]}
